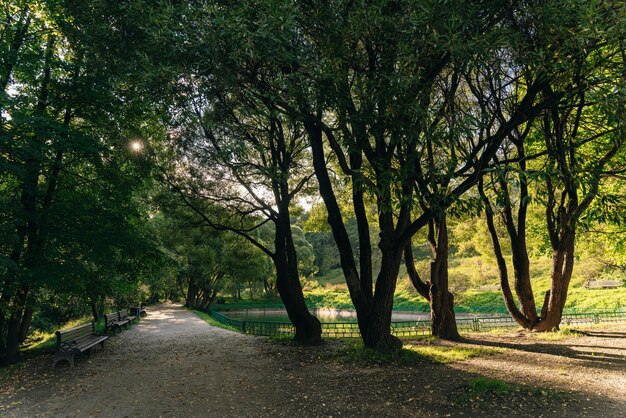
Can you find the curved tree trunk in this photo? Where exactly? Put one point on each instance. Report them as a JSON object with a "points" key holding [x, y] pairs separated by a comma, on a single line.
{"points": [[27, 318], [562, 268], [443, 320], [423, 288], [308, 327], [509, 302]]}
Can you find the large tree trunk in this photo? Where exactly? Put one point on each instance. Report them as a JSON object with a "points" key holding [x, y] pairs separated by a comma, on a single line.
{"points": [[13, 328], [378, 329], [522, 318], [94, 310], [27, 318], [562, 268], [308, 327], [192, 293], [443, 320], [12, 341], [361, 297], [28, 231]]}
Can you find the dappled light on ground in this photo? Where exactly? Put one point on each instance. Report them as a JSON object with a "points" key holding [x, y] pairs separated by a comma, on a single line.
{"points": [[174, 364]]}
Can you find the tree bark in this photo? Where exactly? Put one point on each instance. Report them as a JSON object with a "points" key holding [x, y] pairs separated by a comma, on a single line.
{"points": [[423, 288], [359, 296], [443, 320], [12, 341], [308, 327], [562, 268], [190, 297], [507, 294], [378, 330], [27, 318], [94, 311]]}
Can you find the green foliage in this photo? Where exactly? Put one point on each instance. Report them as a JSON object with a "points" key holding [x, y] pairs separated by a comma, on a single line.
{"points": [[413, 101], [71, 210]]}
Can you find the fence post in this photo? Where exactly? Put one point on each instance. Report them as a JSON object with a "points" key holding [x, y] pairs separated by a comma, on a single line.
{"points": [[243, 327], [476, 325]]}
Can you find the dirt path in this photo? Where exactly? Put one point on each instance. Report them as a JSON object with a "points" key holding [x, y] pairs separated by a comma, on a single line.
{"points": [[172, 364]]}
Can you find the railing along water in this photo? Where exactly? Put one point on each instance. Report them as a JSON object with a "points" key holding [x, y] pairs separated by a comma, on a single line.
{"points": [[418, 327]]}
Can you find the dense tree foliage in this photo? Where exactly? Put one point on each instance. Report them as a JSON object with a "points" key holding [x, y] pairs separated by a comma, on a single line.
{"points": [[71, 220], [402, 121]]}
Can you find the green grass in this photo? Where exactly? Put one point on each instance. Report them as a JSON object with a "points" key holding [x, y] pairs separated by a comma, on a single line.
{"points": [[562, 334], [336, 296], [446, 354], [353, 352], [486, 389], [211, 321], [485, 385], [329, 292]]}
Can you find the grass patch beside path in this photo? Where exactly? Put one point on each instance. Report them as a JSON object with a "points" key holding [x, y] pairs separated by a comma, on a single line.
{"points": [[562, 334], [355, 353], [446, 354], [211, 321], [481, 391], [486, 385]]}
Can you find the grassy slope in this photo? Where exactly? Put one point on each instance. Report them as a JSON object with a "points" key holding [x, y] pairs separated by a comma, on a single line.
{"points": [[466, 275]]}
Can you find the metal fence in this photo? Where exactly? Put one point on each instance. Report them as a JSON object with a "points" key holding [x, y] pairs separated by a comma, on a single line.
{"points": [[416, 328]]}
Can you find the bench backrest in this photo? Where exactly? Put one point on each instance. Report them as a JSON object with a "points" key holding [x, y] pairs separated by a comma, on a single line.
{"points": [[111, 318], [76, 334], [604, 283], [123, 314]]}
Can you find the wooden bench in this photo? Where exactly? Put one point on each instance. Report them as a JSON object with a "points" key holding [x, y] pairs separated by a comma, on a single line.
{"points": [[603, 284], [124, 316], [113, 322], [76, 341], [139, 310]]}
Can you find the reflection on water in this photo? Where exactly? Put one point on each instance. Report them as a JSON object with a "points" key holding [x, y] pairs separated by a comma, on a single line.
{"points": [[324, 315], [328, 315]]}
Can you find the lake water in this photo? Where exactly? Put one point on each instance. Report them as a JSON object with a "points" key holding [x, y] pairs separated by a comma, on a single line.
{"points": [[324, 315]]}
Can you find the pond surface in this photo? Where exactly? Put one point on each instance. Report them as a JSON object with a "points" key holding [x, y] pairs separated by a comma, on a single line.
{"points": [[324, 315]]}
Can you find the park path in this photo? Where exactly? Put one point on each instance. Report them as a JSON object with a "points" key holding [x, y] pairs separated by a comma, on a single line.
{"points": [[173, 364]]}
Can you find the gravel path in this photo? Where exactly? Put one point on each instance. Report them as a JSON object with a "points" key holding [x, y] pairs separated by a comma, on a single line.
{"points": [[173, 364]]}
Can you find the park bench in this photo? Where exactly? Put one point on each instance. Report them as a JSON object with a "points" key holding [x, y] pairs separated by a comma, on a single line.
{"points": [[496, 287], [114, 321], [603, 284], [76, 341], [124, 316], [139, 310]]}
